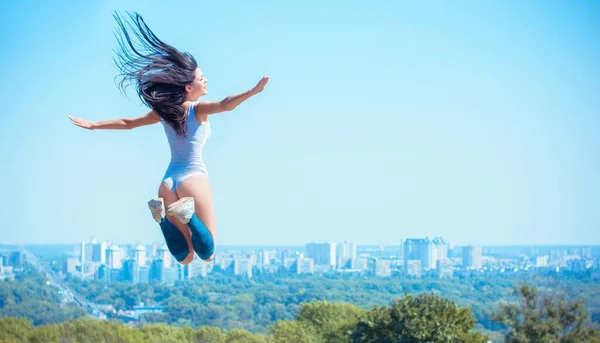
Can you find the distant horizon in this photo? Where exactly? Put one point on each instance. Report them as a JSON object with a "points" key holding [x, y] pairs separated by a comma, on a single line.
{"points": [[302, 245]]}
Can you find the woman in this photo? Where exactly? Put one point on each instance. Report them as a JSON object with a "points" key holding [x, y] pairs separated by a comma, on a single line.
{"points": [[170, 83]]}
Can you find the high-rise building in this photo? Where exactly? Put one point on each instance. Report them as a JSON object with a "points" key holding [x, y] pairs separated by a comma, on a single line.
{"points": [[444, 269], [323, 253], [427, 251], [157, 271], [421, 249], [102, 272], [577, 265], [16, 258], [253, 258], [200, 268], [114, 257], [359, 263], [171, 275], [70, 265], [542, 261], [305, 266], [143, 274], [413, 268], [264, 257], [558, 256], [283, 253], [130, 271], [225, 263], [86, 252], [290, 263], [185, 271], [346, 251], [242, 266], [441, 249], [382, 268], [154, 249], [401, 252], [586, 253], [164, 254], [91, 268], [82, 257], [98, 251], [472, 258], [139, 255], [115, 274]]}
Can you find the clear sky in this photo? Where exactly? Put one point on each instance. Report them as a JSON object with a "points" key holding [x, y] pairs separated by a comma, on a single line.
{"points": [[475, 121]]}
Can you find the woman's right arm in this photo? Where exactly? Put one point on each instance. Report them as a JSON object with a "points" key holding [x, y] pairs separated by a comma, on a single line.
{"points": [[117, 124]]}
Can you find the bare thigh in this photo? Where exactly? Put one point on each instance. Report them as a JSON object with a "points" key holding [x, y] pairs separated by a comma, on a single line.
{"points": [[169, 197], [198, 187]]}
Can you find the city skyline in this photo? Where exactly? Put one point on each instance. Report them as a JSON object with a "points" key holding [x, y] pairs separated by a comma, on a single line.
{"points": [[415, 258]]}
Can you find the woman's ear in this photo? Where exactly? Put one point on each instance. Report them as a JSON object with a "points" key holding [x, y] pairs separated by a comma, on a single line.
{"points": [[188, 88]]}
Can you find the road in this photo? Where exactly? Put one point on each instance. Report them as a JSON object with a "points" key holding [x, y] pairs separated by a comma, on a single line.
{"points": [[65, 291]]}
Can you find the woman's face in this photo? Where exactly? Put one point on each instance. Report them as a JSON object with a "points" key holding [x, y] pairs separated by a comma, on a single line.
{"points": [[197, 88]]}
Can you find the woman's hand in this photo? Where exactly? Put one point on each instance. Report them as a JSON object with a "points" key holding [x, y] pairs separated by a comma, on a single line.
{"points": [[260, 85], [83, 123]]}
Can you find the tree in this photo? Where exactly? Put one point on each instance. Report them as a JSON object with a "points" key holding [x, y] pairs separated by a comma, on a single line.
{"points": [[161, 333], [330, 321], [45, 334], [424, 318], [243, 336], [89, 330], [207, 334], [545, 318], [15, 329], [286, 331]]}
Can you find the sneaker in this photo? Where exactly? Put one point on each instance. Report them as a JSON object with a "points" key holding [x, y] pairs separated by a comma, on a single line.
{"points": [[182, 209], [157, 207]]}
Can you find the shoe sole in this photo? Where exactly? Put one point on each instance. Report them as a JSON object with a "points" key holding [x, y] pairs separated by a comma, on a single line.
{"points": [[173, 209], [156, 205]]}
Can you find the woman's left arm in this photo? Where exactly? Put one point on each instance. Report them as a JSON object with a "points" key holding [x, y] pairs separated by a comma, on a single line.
{"points": [[230, 102]]}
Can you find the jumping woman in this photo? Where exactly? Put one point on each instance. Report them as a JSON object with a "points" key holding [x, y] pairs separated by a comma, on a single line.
{"points": [[170, 83]]}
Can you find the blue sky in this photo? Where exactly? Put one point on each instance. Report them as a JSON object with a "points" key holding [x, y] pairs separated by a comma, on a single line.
{"points": [[475, 121]]}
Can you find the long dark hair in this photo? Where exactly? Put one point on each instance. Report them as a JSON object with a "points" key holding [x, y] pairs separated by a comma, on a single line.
{"points": [[159, 71]]}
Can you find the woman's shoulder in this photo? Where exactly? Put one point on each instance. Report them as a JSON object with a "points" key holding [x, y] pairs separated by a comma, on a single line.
{"points": [[188, 105], [189, 108]]}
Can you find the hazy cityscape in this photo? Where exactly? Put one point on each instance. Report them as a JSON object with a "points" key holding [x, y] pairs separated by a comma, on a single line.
{"points": [[412, 258]]}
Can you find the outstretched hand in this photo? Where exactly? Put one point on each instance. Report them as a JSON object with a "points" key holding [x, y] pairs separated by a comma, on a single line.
{"points": [[83, 123], [260, 85]]}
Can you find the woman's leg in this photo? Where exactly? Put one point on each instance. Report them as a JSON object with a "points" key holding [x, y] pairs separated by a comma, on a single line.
{"points": [[203, 224], [169, 224]]}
